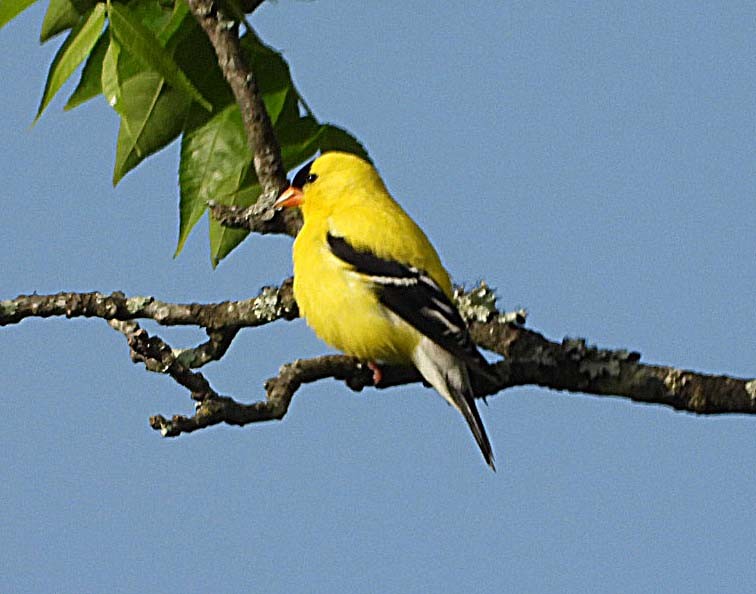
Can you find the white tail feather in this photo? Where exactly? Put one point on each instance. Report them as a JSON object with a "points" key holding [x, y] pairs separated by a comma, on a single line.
{"points": [[450, 377]]}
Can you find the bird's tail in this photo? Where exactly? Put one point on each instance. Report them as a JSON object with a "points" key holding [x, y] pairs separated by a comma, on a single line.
{"points": [[468, 409], [450, 377]]}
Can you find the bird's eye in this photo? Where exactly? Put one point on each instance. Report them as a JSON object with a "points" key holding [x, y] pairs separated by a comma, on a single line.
{"points": [[311, 178]]}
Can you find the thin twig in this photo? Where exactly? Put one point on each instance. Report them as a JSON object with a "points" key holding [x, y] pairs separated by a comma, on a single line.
{"points": [[223, 32]]}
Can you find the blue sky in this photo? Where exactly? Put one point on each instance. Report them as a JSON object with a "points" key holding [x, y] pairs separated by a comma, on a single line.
{"points": [[592, 161]]}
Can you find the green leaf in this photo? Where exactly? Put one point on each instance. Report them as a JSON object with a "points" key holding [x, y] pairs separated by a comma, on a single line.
{"points": [[333, 138], [195, 55], [271, 70], [75, 48], [151, 117], [214, 159], [290, 111], [10, 9], [90, 81], [224, 239], [298, 140], [274, 103], [83, 6], [153, 112], [298, 143], [110, 79], [139, 41], [61, 15], [175, 23], [153, 14]]}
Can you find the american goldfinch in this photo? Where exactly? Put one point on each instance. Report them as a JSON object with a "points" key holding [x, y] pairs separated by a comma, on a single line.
{"points": [[369, 283]]}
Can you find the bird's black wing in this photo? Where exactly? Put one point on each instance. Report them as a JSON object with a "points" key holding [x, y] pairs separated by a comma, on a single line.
{"points": [[413, 296]]}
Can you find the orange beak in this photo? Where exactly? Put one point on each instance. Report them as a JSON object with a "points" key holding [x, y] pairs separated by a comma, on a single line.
{"points": [[291, 197]]}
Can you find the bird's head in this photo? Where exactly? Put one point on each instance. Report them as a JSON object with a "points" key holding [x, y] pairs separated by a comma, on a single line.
{"points": [[333, 180]]}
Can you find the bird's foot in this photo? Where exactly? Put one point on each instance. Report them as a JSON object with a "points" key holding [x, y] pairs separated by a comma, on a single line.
{"points": [[377, 375]]}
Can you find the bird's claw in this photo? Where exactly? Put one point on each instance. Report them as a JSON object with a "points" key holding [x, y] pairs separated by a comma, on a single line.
{"points": [[377, 375]]}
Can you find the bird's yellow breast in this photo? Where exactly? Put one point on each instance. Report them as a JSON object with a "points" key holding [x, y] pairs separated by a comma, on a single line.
{"points": [[342, 309]]}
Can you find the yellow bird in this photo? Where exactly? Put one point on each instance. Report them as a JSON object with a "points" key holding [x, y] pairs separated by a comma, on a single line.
{"points": [[369, 283]]}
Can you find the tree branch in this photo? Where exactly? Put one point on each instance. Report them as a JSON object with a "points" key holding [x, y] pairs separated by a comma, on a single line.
{"points": [[223, 32], [271, 304], [572, 366], [279, 391], [530, 358]]}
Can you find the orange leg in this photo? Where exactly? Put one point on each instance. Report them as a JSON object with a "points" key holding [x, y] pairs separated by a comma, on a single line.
{"points": [[377, 375]]}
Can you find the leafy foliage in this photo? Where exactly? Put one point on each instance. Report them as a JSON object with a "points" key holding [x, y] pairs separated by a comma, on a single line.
{"points": [[158, 71], [10, 9], [77, 46]]}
